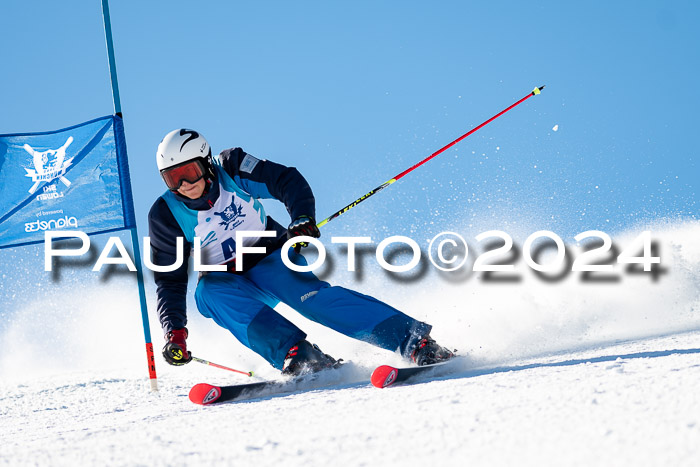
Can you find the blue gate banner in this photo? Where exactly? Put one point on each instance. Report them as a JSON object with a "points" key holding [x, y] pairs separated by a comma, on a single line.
{"points": [[71, 179]]}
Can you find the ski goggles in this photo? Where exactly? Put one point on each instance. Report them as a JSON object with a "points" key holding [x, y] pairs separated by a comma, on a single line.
{"points": [[190, 172]]}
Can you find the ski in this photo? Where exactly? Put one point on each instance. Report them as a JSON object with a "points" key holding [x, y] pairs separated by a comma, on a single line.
{"points": [[385, 375], [206, 394]]}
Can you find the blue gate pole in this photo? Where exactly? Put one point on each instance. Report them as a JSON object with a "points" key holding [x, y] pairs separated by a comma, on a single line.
{"points": [[112, 63], [134, 235]]}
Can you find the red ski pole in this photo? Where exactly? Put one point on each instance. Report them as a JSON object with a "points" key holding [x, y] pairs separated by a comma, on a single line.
{"points": [[207, 362], [397, 177]]}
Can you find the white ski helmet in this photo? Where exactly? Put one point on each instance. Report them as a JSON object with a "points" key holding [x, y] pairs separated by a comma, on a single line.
{"points": [[183, 155]]}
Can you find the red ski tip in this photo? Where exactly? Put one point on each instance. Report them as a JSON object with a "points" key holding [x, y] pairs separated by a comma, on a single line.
{"points": [[204, 393], [384, 376]]}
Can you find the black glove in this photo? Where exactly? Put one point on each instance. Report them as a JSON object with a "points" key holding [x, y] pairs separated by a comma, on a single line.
{"points": [[175, 350], [302, 225]]}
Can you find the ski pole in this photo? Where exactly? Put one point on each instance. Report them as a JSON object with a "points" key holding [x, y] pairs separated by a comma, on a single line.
{"points": [[399, 176], [207, 362]]}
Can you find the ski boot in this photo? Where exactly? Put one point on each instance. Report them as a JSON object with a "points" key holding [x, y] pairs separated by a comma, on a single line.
{"points": [[427, 352], [305, 357]]}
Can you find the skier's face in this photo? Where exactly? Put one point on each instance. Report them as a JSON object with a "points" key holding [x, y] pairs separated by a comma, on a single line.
{"points": [[192, 190]]}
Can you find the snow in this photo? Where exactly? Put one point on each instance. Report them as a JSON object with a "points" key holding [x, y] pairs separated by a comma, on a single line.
{"points": [[565, 373], [628, 404]]}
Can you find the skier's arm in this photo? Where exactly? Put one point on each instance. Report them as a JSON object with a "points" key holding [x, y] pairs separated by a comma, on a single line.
{"points": [[265, 179], [171, 287]]}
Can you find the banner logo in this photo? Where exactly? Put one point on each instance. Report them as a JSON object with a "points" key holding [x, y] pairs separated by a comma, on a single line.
{"points": [[51, 224], [49, 165]]}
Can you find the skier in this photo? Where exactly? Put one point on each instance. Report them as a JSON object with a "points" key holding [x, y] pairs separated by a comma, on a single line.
{"points": [[212, 200]]}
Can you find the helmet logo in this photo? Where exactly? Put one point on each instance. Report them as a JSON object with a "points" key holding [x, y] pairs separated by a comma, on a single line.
{"points": [[192, 135]]}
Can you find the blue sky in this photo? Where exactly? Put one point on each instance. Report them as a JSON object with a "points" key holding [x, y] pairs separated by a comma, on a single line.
{"points": [[353, 93]]}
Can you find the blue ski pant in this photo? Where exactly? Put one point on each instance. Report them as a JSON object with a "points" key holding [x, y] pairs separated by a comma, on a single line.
{"points": [[243, 304]]}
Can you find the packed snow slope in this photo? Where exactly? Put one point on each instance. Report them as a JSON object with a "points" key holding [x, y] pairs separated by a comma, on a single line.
{"points": [[629, 404], [564, 372]]}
